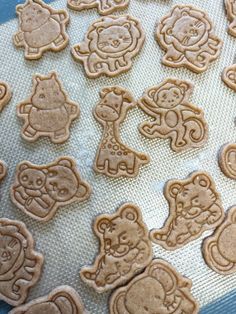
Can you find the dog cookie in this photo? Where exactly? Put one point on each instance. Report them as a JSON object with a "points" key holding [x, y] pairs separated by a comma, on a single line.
{"points": [[195, 206], [48, 111], [114, 158], [41, 29], [186, 35], [3, 170], [230, 6], [110, 45], [227, 160], [229, 76], [62, 300], [40, 190], [20, 265], [159, 289], [5, 95], [125, 249], [175, 118]]}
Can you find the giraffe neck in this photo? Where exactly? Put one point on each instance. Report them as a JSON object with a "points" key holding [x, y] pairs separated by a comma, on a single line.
{"points": [[110, 133]]}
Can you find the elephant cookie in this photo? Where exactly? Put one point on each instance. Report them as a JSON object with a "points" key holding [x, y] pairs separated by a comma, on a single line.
{"points": [[5, 95], [109, 46], [195, 206], [48, 111], [174, 117], [230, 6], [187, 36], [40, 190], [227, 160], [41, 29], [229, 76], [125, 249], [3, 170], [20, 264]]}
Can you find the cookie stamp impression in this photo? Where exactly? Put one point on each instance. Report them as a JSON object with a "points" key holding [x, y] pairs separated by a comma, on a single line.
{"points": [[20, 264], [114, 158], [174, 117], [229, 76], [227, 160], [195, 206], [40, 190], [160, 289], [186, 35], [48, 111], [5, 95], [41, 29], [110, 45], [125, 249], [230, 6], [3, 170]]}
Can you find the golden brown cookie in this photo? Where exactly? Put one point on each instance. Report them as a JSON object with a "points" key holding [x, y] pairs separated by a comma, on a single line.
{"points": [[41, 29], [125, 249], [48, 111], [3, 170], [20, 264], [109, 46], [5, 95], [227, 160], [40, 190], [195, 206], [174, 116], [230, 6], [229, 76], [186, 35]]}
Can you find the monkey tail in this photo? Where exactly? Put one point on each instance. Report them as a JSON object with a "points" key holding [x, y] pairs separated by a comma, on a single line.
{"points": [[196, 129]]}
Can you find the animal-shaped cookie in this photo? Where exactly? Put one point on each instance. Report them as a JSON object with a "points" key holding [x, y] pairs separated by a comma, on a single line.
{"points": [[5, 95], [40, 190], [227, 160], [229, 76], [125, 249], [160, 289], [110, 45], [3, 170], [187, 36], [20, 264], [195, 206], [230, 6], [174, 117], [41, 29], [114, 158], [48, 111]]}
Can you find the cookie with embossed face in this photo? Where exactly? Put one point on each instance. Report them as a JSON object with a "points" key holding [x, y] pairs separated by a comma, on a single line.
{"points": [[186, 35], [229, 76], [3, 170], [227, 160], [5, 95], [230, 6]]}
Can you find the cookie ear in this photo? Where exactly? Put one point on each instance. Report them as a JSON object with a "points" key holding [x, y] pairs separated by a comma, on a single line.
{"points": [[102, 224], [82, 191], [100, 29], [53, 76], [118, 303], [23, 167], [152, 92], [202, 180], [169, 31], [130, 212], [174, 189], [19, 9], [38, 79], [65, 163], [127, 25]]}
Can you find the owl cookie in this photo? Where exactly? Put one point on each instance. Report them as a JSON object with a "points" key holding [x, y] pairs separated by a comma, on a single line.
{"points": [[229, 76], [5, 95], [227, 160], [230, 6]]}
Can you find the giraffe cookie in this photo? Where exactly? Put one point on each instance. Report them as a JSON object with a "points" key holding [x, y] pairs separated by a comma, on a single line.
{"points": [[5, 95], [230, 6], [229, 76], [227, 160], [3, 170]]}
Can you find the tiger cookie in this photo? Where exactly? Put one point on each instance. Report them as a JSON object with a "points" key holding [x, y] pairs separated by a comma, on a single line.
{"points": [[41, 29], [39, 190], [159, 289], [174, 117], [48, 111], [20, 264], [5, 94], [187, 36], [230, 6], [3, 170], [125, 249], [114, 158], [229, 76], [195, 206], [109, 46], [227, 160]]}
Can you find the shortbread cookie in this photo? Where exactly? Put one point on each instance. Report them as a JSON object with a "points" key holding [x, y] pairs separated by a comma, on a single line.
{"points": [[41, 28], [20, 264], [40, 190], [48, 111], [114, 158], [229, 76], [227, 160], [195, 206], [125, 249], [110, 45], [3, 170], [5, 95], [230, 6], [174, 117], [186, 35]]}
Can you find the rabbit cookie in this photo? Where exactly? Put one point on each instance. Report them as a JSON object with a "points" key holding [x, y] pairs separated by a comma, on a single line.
{"points": [[5, 95]]}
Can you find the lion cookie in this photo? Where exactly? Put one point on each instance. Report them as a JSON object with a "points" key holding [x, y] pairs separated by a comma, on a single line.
{"points": [[20, 265], [230, 6], [41, 29], [227, 160], [3, 170], [5, 95], [229, 76], [40, 190], [174, 117], [110, 45], [48, 111], [186, 35], [195, 206], [125, 249]]}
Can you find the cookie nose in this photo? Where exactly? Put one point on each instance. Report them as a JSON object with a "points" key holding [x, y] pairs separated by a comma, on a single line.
{"points": [[116, 43]]}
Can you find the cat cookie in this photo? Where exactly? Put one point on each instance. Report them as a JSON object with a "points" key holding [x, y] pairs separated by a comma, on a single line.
{"points": [[3, 170], [187, 36], [174, 117], [230, 6], [195, 206], [48, 111], [41, 29], [40, 190], [110, 45], [227, 160], [5, 95], [20, 264], [229, 76], [159, 289], [125, 249]]}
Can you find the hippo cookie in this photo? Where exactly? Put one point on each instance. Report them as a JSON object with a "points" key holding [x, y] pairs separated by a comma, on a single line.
{"points": [[186, 35], [229, 76], [41, 29], [195, 206], [20, 264], [3, 170], [40, 190], [48, 111], [227, 160], [5, 95], [230, 6], [125, 249]]}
